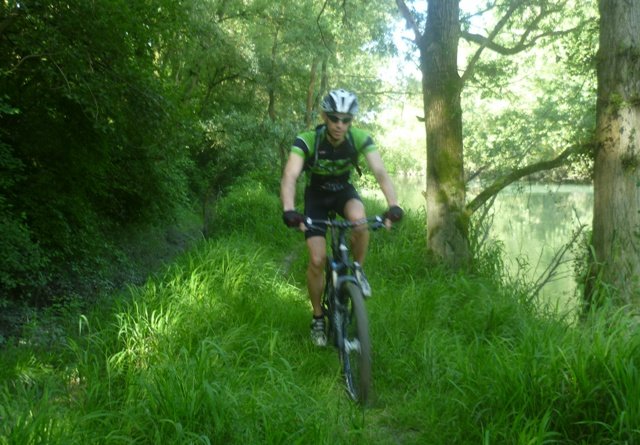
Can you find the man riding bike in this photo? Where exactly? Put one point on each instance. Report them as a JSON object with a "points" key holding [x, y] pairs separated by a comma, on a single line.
{"points": [[329, 154]]}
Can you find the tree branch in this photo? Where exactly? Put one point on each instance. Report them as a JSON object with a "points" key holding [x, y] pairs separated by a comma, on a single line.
{"points": [[324, 41], [551, 271], [504, 181], [411, 21], [525, 42], [485, 42]]}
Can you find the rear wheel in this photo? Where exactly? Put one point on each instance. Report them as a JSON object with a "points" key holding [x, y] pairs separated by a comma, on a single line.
{"points": [[355, 344]]}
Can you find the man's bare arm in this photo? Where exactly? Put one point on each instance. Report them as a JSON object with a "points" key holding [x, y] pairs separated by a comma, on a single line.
{"points": [[292, 171]]}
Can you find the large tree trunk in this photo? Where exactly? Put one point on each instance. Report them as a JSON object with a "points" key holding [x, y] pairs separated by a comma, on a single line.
{"points": [[273, 75], [616, 220], [447, 220], [311, 93]]}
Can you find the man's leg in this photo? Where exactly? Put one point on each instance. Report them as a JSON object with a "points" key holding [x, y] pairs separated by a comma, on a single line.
{"points": [[315, 272], [354, 211]]}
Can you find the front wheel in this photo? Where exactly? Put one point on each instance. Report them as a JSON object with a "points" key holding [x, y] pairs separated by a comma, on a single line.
{"points": [[355, 347]]}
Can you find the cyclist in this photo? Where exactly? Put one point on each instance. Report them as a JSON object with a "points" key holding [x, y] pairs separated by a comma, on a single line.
{"points": [[328, 154]]}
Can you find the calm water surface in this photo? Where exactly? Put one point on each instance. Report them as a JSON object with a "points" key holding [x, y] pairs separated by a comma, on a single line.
{"points": [[533, 222]]}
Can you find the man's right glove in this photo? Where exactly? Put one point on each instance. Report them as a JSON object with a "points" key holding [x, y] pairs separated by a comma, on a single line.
{"points": [[394, 214], [292, 218]]}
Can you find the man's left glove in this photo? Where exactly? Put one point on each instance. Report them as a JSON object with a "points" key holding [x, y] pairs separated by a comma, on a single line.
{"points": [[394, 214], [292, 218]]}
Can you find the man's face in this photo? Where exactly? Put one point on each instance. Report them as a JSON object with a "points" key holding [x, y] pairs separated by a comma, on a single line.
{"points": [[337, 125]]}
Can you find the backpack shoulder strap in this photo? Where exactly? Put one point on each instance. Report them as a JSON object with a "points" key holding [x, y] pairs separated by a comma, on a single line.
{"points": [[312, 141], [354, 152], [320, 129]]}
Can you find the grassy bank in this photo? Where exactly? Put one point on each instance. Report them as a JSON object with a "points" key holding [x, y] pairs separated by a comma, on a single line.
{"points": [[216, 350]]}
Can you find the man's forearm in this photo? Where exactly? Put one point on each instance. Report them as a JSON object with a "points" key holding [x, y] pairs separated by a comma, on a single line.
{"points": [[387, 188], [287, 193]]}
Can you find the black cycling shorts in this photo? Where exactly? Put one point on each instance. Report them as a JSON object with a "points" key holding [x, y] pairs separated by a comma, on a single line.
{"points": [[318, 204]]}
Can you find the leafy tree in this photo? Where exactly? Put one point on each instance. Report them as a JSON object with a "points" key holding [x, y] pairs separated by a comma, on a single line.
{"points": [[88, 145], [22, 265], [532, 108], [276, 51], [519, 25], [115, 113]]}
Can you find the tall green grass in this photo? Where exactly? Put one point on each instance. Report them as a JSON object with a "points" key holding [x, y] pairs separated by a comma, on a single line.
{"points": [[215, 350]]}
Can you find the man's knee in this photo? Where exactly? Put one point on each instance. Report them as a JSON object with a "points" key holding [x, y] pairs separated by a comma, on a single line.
{"points": [[317, 254], [354, 210], [317, 260], [360, 237]]}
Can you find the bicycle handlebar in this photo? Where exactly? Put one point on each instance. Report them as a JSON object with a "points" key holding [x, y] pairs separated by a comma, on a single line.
{"points": [[374, 222]]}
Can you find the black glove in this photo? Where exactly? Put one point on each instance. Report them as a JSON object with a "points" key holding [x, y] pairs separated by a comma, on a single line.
{"points": [[292, 218], [394, 214]]}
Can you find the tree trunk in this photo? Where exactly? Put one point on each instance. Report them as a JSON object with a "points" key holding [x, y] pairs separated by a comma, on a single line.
{"points": [[324, 80], [273, 75], [311, 91], [616, 245], [447, 220]]}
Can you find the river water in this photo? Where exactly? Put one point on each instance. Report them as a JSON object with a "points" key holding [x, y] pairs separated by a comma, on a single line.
{"points": [[533, 222]]}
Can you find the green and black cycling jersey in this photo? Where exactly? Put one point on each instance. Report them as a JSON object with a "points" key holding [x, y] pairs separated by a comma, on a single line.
{"points": [[328, 167]]}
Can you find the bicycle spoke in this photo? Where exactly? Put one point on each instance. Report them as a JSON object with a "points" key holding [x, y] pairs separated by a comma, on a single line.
{"points": [[352, 345], [355, 350]]}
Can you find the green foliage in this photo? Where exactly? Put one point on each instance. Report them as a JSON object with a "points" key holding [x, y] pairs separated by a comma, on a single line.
{"points": [[215, 350], [84, 140], [401, 137], [250, 210], [117, 114], [525, 109], [236, 146], [23, 262]]}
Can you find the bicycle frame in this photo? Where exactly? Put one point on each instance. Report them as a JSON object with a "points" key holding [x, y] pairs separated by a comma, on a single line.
{"points": [[343, 304], [339, 267]]}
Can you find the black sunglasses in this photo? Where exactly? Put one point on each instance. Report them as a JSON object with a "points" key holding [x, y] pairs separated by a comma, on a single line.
{"points": [[335, 119]]}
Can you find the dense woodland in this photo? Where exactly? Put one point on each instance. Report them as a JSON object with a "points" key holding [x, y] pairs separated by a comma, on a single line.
{"points": [[119, 117], [124, 119], [131, 131]]}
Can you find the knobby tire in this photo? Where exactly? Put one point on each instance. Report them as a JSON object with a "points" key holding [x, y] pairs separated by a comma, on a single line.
{"points": [[356, 362]]}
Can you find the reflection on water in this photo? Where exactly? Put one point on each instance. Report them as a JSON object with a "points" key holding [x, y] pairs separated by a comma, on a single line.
{"points": [[533, 221]]}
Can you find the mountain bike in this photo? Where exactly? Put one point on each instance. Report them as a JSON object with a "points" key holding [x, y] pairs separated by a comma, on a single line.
{"points": [[343, 305]]}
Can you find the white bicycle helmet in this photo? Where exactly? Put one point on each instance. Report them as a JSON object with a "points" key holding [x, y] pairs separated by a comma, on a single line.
{"points": [[340, 101]]}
